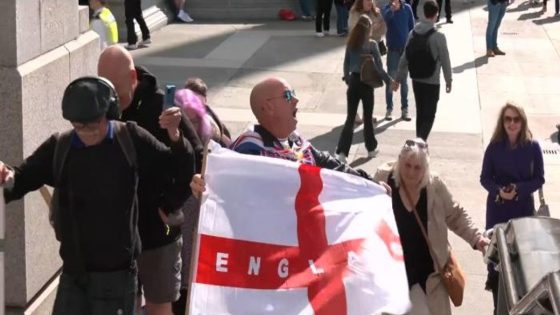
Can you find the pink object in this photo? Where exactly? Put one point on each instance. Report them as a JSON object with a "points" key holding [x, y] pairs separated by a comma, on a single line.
{"points": [[195, 109]]}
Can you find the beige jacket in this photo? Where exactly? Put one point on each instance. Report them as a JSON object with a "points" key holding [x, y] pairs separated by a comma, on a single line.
{"points": [[378, 24], [443, 213]]}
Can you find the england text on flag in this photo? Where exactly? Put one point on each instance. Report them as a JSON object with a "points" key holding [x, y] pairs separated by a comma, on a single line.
{"points": [[277, 237]]}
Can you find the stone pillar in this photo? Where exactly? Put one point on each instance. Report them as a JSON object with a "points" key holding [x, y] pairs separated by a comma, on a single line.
{"points": [[45, 44], [155, 14]]}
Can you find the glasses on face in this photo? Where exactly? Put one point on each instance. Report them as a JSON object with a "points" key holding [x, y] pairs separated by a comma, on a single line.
{"points": [[510, 119], [288, 95], [87, 127]]}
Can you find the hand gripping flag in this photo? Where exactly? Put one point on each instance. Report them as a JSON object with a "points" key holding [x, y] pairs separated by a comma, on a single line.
{"points": [[278, 237]]}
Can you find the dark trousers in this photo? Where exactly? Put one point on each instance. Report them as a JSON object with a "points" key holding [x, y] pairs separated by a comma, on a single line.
{"points": [[427, 97], [96, 293], [447, 8], [323, 18], [414, 6], [357, 91], [133, 11]]}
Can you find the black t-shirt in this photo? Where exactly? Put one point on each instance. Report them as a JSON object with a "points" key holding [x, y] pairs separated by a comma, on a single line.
{"points": [[417, 259]]}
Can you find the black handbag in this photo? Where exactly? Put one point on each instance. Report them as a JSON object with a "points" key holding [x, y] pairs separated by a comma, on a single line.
{"points": [[382, 47]]}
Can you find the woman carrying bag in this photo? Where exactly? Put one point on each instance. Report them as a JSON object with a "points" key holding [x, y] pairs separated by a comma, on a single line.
{"points": [[418, 195], [359, 45], [512, 170]]}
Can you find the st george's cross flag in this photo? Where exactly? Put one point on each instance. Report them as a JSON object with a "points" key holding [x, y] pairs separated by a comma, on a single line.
{"points": [[278, 237]]}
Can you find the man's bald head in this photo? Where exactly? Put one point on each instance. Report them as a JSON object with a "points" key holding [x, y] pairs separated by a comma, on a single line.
{"points": [[272, 109], [116, 64]]}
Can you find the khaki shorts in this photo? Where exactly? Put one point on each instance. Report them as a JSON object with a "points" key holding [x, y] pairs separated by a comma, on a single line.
{"points": [[159, 273]]}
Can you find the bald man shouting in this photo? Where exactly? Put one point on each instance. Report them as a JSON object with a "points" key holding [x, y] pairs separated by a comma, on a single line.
{"points": [[142, 101], [274, 104]]}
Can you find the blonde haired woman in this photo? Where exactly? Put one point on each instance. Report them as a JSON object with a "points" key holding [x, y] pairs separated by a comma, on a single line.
{"points": [[512, 170], [415, 187]]}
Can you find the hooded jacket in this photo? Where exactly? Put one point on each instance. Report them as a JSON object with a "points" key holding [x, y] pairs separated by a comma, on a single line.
{"points": [[145, 109], [438, 48]]}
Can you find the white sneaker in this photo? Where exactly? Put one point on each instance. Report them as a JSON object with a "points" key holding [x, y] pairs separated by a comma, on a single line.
{"points": [[326, 33], [145, 43], [341, 157], [389, 115], [131, 46], [372, 154], [319, 34], [184, 16]]}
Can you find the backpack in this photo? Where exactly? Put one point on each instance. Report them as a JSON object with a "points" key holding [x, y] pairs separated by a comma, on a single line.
{"points": [[421, 63], [61, 150], [368, 70]]}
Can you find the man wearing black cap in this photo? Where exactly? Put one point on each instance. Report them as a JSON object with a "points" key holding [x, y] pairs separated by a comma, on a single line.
{"points": [[96, 209]]}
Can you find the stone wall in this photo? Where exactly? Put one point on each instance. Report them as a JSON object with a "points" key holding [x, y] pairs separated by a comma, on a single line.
{"points": [[45, 44]]}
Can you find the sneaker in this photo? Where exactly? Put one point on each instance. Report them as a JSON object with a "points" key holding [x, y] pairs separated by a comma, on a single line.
{"points": [[326, 33], [449, 21], [497, 52], [184, 16], [389, 115], [145, 43], [131, 46], [405, 115], [319, 34], [372, 154], [341, 157], [490, 53], [343, 34], [307, 17]]}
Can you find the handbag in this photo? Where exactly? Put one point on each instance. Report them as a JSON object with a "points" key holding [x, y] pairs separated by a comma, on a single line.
{"points": [[382, 47], [452, 275], [543, 210], [369, 73]]}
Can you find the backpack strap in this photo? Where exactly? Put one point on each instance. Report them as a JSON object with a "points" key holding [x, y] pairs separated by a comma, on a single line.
{"points": [[63, 143], [125, 141]]}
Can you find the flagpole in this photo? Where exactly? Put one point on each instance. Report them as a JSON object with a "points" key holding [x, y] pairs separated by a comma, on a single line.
{"points": [[195, 239], [2, 233]]}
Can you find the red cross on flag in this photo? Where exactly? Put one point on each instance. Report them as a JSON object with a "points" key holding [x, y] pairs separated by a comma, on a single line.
{"points": [[278, 237]]}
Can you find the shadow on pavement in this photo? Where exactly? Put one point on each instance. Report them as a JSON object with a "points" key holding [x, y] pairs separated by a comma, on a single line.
{"points": [[478, 62], [529, 16], [523, 6], [550, 19], [359, 161]]}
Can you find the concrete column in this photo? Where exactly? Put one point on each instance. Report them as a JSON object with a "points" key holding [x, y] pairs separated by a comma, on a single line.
{"points": [[45, 44]]}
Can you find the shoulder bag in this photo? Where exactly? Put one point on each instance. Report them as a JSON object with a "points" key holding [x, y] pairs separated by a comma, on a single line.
{"points": [[451, 274]]}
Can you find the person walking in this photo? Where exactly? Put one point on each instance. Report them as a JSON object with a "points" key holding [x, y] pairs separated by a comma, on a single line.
{"points": [[496, 12], [142, 102], [182, 15], [425, 56], [341, 18], [399, 19], [133, 11], [305, 6], [512, 170], [421, 197], [95, 169], [358, 45], [323, 18], [447, 10]]}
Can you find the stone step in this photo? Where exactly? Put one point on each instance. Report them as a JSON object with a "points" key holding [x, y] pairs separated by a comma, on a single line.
{"points": [[239, 9]]}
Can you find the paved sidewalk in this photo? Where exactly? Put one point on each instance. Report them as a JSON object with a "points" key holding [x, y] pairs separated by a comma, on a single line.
{"points": [[231, 58]]}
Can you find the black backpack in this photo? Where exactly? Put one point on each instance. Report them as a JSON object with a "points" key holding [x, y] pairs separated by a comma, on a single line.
{"points": [[421, 63]]}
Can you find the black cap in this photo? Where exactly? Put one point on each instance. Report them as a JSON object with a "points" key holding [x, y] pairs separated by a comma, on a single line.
{"points": [[86, 100]]}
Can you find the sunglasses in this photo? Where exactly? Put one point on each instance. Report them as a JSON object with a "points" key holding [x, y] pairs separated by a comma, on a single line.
{"points": [[412, 143], [509, 119], [288, 95]]}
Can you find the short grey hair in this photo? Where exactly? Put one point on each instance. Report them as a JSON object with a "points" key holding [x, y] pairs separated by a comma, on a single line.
{"points": [[421, 154]]}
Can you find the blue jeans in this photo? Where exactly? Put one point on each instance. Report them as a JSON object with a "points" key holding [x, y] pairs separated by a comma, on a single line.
{"points": [[305, 7], [393, 57], [341, 19], [496, 13]]}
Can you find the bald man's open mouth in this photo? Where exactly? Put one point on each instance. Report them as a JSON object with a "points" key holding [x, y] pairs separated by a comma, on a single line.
{"points": [[294, 113]]}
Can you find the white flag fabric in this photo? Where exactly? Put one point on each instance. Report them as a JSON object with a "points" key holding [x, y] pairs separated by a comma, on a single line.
{"points": [[277, 237]]}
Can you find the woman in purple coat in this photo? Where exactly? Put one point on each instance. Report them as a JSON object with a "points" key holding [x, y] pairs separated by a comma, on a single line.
{"points": [[511, 171]]}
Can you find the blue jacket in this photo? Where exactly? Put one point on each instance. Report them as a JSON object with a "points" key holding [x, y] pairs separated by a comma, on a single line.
{"points": [[399, 24]]}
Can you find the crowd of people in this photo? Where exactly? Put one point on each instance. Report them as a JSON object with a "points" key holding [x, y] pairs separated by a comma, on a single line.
{"points": [[133, 165]]}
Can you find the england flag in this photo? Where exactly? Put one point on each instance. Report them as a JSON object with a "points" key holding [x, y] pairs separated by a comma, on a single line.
{"points": [[278, 237]]}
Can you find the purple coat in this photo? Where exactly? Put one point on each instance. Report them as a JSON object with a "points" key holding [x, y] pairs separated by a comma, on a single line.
{"points": [[502, 165]]}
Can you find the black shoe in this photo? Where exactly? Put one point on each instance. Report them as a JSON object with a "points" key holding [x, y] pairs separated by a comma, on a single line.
{"points": [[449, 21]]}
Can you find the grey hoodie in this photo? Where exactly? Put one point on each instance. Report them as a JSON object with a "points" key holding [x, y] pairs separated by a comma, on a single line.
{"points": [[438, 47]]}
